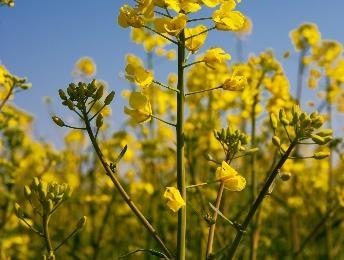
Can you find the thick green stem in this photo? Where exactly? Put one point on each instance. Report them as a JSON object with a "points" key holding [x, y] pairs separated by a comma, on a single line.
{"points": [[121, 190], [180, 148], [255, 206], [46, 218], [212, 227]]}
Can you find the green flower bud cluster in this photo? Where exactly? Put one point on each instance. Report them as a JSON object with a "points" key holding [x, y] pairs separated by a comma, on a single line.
{"points": [[49, 195], [81, 98], [45, 198], [305, 126], [233, 141], [78, 94]]}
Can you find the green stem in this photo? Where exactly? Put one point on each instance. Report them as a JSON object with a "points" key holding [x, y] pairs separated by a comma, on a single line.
{"points": [[121, 190], [202, 91], [255, 206], [46, 218], [180, 148], [212, 227]]}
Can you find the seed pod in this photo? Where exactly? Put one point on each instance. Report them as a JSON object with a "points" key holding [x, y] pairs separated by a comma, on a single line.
{"points": [[62, 94], [273, 121], [109, 98], [285, 176], [81, 222], [317, 139], [99, 120], [321, 155], [99, 93], [276, 141], [58, 121]]}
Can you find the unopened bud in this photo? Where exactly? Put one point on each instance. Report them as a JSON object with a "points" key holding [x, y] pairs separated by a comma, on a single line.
{"points": [[27, 192], [99, 120], [109, 98], [276, 141], [18, 211], [58, 121], [317, 139], [81, 223], [252, 150], [285, 176], [321, 155], [325, 132], [273, 121], [62, 94], [99, 93]]}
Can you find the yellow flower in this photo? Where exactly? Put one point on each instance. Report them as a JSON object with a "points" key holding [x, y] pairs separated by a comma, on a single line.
{"points": [[86, 67], [327, 52], [171, 26], [176, 25], [137, 74], [196, 42], [187, 6], [211, 3], [226, 19], [145, 7], [214, 56], [305, 35], [232, 180], [174, 199], [128, 16], [246, 29], [141, 108], [236, 82]]}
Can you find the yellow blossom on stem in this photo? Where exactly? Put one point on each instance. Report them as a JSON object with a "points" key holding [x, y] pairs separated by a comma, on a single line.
{"points": [[305, 35], [232, 180], [128, 16], [173, 198], [236, 82], [226, 19], [176, 25], [214, 56], [141, 108], [194, 43], [187, 6], [137, 74]]}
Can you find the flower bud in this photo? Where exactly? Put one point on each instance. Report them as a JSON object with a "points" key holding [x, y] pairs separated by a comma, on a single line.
{"points": [[81, 223], [252, 150], [99, 120], [99, 93], [283, 117], [325, 132], [273, 121], [18, 211], [109, 98], [285, 176], [58, 121], [317, 139], [62, 94], [27, 192], [276, 141], [321, 155]]}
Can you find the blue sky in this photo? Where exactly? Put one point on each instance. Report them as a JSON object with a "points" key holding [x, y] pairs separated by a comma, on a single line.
{"points": [[42, 40]]}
